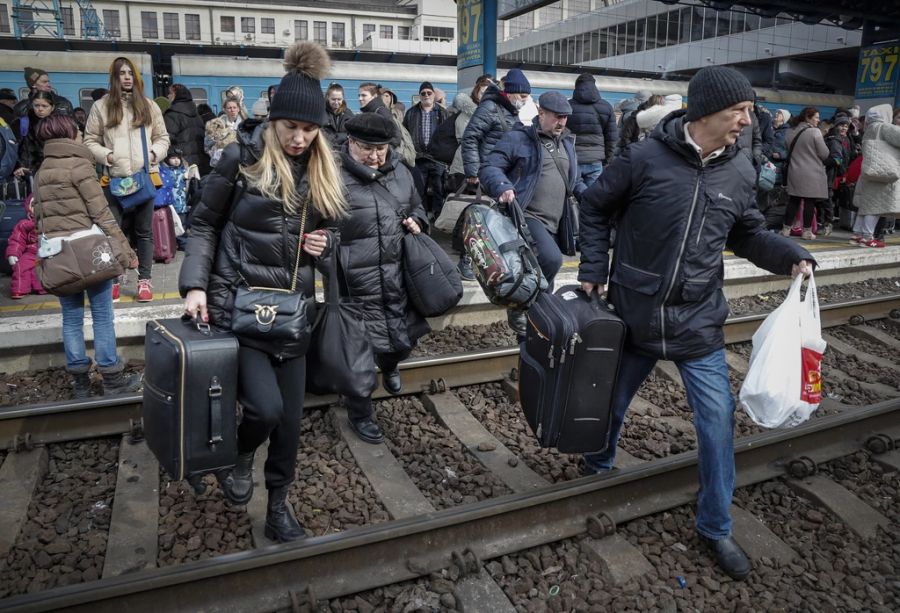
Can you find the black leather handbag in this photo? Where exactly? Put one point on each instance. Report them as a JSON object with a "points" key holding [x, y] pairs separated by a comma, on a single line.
{"points": [[274, 313], [432, 281], [340, 359]]}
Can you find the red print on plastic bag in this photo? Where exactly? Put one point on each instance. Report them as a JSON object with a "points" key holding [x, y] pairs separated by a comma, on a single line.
{"points": [[811, 363]]}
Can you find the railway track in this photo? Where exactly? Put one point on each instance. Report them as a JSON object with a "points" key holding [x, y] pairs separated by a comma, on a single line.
{"points": [[25, 426], [419, 539]]}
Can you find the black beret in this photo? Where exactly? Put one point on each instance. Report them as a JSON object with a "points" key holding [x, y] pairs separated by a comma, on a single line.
{"points": [[370, 128]]}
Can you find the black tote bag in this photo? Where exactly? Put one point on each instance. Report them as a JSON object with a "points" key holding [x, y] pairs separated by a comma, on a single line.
{"points": [[340, 359]]}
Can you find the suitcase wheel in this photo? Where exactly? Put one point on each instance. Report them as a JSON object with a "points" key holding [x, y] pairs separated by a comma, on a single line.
{"points": [[196, 482]]}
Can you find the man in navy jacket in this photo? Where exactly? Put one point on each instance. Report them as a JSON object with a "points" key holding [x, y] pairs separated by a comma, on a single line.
{"points": [[679, 198], [536, 165]]}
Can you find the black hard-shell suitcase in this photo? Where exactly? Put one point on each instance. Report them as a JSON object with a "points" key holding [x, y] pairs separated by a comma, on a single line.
{"points": [[190, 396], [11, 213], [567, 369]]}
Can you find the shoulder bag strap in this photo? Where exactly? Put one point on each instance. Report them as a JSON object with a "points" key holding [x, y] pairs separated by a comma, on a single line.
{"points": [[794, 142], [558, 165], [144, 150]]}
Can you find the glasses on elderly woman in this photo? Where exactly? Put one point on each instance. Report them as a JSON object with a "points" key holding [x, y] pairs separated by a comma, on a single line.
{"points": [[369, 149]]}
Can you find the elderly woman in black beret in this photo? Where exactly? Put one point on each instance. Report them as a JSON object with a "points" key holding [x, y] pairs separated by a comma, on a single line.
{"points": [[383, 204]]}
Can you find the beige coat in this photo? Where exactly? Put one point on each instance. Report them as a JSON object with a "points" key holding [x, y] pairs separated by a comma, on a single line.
{"points": [[871, 197], [69, 197], [806, 167], [124, 141]]}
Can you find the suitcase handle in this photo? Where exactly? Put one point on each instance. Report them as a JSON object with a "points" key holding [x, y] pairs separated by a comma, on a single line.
{"points": [[215, 412], [599, 301], [202, 326]]}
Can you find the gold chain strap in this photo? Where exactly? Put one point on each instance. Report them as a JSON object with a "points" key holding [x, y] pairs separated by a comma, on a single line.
{"points": [[299, 243]]}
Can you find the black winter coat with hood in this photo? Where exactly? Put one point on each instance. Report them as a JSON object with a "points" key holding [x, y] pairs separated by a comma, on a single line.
{"points": [[494, 117], [334, 125], [674, 216], [371, 249], [186, 132], [252, 241], [593, 123]]}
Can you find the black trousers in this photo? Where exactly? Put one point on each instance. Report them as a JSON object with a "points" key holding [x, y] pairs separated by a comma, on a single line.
{"points": [[430, 184], [360, 407], [809, 209], [548, 254], [271, 394], [137, 225]]}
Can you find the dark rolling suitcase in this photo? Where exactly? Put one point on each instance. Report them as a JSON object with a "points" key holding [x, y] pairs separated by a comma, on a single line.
{"points": [[12, 211], [190, 397], [567, 369], [164, 243]]}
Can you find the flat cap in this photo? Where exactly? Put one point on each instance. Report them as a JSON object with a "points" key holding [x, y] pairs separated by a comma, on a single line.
{"points": [[555, 102]]}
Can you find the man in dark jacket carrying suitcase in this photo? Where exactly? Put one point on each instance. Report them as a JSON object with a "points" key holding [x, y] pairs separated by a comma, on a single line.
{"points": [[536, 164], [679, 198]]}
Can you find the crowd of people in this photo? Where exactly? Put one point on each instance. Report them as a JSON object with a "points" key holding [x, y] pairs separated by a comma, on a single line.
{"points": [[301, 180]]}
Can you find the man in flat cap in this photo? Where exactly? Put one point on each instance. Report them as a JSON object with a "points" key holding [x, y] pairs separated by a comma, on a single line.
{"points": [[536, 165], [678, 199], [37, 79]]}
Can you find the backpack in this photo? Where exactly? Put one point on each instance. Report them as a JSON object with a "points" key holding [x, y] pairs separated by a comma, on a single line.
{"points": [[406, 149], [9, 151], [444, 143], [503, 261]]}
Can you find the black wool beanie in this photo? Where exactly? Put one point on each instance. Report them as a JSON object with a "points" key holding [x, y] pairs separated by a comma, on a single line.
{"points": [[715, 88], [300, 93]]}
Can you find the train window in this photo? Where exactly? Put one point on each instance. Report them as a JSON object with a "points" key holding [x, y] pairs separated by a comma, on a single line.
{"points": [[199, 95], [84, 98]]}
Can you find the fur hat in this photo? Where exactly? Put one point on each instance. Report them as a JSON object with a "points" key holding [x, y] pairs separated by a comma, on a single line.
{"points": [[370, 128], [300, 93], [220, 133], [715, 88]]}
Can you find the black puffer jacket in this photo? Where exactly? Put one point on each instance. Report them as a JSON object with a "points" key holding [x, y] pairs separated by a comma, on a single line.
{"points": [[334, 126], [494, 117], [593, 123], [674, 217], [253, 242], [31, 148], [186, 131], [371, 249]]}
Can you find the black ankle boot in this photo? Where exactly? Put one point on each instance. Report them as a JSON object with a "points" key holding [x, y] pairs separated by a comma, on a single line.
{"points": [[238, 485], [81, 385], [281, 525], [120, 383]]}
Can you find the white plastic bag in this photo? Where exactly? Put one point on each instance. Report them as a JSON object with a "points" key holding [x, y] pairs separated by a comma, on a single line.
{"points": [[784, 383], [176, 222]]}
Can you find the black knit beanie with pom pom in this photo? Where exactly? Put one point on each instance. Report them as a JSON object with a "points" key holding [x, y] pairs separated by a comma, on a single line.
{"points": [[300, 93]]}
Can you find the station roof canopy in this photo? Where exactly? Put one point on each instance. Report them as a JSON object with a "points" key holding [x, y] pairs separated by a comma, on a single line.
{"points": [[850, 14]]}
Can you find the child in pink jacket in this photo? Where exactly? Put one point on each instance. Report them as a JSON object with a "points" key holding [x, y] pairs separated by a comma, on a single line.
{"points": [[21, 253]]}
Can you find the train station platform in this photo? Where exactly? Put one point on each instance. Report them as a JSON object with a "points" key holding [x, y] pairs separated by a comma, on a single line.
{"points": [[32, 325]]}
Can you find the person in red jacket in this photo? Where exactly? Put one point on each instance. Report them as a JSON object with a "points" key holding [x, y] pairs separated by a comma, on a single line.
{"points": [[21, 253]]}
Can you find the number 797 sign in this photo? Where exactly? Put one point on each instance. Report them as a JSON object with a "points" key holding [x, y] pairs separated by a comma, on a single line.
{"points": [[876, 76], [471, 33]]}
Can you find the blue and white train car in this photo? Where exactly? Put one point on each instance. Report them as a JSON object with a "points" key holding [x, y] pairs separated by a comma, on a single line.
{"points": [[209, 77], [73, 75]]}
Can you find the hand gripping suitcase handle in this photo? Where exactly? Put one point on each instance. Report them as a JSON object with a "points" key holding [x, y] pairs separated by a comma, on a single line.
{"points": [[201, 326], [215, 412]]}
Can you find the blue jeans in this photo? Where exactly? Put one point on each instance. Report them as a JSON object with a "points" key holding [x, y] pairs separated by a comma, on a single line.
{"points": [[590, 172], [100, 297], [709, 396], [548, 255]]}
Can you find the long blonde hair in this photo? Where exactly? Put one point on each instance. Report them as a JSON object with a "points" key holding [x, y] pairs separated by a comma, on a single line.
{"points": [[273, 176]]}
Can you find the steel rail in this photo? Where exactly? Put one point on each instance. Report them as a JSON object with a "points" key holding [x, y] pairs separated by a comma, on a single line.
{"points": [[97, 417], [366, 558]]}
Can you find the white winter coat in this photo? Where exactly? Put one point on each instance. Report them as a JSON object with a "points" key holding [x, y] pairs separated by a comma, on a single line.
{"points": [[871, 197], [124, 140]]}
